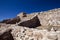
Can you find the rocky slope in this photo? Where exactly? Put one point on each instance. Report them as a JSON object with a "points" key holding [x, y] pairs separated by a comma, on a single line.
{"points": [[35, 26]]}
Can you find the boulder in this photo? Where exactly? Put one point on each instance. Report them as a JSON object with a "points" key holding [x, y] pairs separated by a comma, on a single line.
{"points": [[32, 23], [6, 36], [22, 14], [11, 21]]}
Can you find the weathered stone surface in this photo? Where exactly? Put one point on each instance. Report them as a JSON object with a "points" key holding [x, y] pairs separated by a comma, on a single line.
{"points": [[36, 26], [6, 36], [11, 21], [32, 23], [50, 17], [24, 33], [22, 15]]}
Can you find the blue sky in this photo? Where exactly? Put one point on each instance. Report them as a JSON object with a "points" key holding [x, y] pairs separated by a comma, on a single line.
{"points": [[10, 8]]}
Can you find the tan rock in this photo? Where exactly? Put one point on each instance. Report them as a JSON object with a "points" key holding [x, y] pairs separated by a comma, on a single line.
{"points": [[48, 30]]}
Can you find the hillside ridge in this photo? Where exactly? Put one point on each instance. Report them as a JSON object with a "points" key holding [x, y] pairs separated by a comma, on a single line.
{"points": [[44, 25]]}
